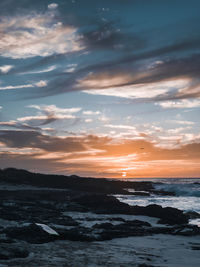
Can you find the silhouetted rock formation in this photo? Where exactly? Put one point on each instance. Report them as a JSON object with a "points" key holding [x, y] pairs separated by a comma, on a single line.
{"points": [[15, 176], [110, 205]]}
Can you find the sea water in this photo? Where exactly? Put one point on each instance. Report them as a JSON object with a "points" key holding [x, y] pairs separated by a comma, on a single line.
{"points": [[187, 195]]}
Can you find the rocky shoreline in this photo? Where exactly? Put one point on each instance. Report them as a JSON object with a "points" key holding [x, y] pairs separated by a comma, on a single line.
{"points": [[41, 215]]}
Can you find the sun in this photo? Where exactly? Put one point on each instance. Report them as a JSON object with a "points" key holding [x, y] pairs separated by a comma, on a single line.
{"points": [[123, 174]]}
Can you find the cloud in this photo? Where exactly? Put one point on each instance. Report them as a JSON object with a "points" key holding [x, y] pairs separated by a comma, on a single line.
{"points": [[36, 34], [6, 68], [178, 130], [17, 125], [41, 84], [70, 68], [91, 112], [182, 122], [48, 69], [54, 109], [99, 154], [33, 139], [144, 91], [185, 103], [13, 87], [125, 127], [39, 120], [88, 120], [173, 79], [53, 6], [48, 114]]}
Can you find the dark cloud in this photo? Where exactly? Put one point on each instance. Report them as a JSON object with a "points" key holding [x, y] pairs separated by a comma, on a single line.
{"points": [[34, 139], [134, 65], [18, 125]]}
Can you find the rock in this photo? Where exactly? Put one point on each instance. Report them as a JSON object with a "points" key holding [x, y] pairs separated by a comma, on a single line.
{"points": [[73, 182], [129, 228], [103, 226], [8, 252], [187, 230], [26, 213], [195, 247], [100, 203], [192, 214], [65, 220], [145, 265], [5, 239], [137, 223], [116, 219], [33, 233], [167, 215], [77, 234]]}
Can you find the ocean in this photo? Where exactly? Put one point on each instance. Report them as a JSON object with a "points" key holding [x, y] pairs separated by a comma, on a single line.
{"points": [[187, 196]]}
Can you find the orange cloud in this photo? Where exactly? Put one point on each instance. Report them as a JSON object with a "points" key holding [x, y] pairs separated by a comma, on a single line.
{"points": [[99, 156]]}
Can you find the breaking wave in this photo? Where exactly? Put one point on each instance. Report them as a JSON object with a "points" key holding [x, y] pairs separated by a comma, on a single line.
{"points": [[180, 189]]}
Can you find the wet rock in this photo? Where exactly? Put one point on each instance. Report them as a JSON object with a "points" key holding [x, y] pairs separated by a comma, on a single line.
{"points": [[117, 219], [5, 239], [145, 265], [129, 228], [167, 215], [103, 226], [187, 230], [8, 252], [65, 220], [24, 213], [32, 233], [100, 203], [192, 214], [77, 234], [137, 223], [195, 247]]}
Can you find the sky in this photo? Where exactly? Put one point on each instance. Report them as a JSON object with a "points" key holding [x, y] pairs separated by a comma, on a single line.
{"points": [[100, 88]]}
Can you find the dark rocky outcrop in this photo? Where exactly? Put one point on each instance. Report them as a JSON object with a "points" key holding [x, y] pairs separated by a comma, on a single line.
{"points": [[31, 234], [110, 205], [192, 214], [167, 215], [186, 230], [8, 251], [74, 182], [100, 203]]}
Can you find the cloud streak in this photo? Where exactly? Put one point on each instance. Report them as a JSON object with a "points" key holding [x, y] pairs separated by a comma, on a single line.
{"points": [[13, 87]]}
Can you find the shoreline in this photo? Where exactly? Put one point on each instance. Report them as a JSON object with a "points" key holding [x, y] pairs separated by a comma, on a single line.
{"points": [[77, 225]]}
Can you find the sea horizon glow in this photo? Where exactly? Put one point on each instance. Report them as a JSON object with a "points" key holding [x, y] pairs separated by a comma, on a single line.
{"points": [[100, 88]]}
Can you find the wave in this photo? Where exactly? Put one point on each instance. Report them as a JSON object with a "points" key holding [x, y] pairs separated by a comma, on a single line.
{"points": [[192, 189]]}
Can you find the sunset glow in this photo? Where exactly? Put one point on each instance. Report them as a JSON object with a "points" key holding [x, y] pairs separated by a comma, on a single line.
{"points": [[123, 174], [96, 89]]}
